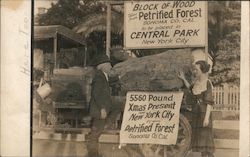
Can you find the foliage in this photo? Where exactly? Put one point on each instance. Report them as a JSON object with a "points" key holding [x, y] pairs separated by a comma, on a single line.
{"points": [[225, 43], [223, 31], [70, 13]]}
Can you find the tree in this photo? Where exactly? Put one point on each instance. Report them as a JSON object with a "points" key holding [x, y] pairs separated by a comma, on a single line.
{"points": [[70, 13], [224, 42], [89, 18]]}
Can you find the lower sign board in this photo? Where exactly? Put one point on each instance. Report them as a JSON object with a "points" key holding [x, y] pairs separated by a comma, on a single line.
{"points": [[151, 117]]}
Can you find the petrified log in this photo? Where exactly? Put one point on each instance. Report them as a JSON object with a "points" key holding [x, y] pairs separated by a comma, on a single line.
{"points": [[155, 72]]}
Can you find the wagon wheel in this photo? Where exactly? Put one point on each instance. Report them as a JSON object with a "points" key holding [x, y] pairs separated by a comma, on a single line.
{"points": [[179, 150]]}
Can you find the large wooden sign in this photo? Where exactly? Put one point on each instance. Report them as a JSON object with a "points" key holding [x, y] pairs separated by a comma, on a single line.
{"points": [[151, 117], [165, 24]]}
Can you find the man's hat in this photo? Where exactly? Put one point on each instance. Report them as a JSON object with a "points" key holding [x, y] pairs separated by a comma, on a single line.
{"points": [[99, 59]]}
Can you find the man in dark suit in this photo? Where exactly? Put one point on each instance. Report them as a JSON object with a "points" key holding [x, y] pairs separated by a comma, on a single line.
{"points": [[100, 102]]}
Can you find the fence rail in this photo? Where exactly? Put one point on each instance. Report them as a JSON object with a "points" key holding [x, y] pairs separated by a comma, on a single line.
{"points": [[226, 97]]}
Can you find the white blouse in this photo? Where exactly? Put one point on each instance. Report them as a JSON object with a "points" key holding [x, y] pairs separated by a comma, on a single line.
{"points": [[199, 86]]}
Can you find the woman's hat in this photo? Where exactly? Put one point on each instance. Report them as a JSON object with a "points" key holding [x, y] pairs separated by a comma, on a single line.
{"points": [[99, 59]]}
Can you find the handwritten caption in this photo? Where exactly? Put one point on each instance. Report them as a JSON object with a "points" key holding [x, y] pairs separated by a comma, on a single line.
{"points": [[24, 34]]}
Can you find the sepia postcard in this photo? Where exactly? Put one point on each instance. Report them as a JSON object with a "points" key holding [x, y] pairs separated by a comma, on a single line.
{"points": [[119, 78]]}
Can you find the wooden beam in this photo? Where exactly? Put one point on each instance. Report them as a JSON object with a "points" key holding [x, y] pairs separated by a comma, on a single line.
{"points": [[85, 55], [108, 32], [114, 2], [226, 124], [206, 32], [226, 152], [109, 138], [52, 130], [226, 144], [55, 50], [59, 136]]}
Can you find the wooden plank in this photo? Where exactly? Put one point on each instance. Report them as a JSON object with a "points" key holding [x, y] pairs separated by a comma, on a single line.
{"points": [[52, 130], [225, 143], [109, 138], [193, 154], [226, 124], [226, 153], [71, 106], [42, 36], [69, 34], [44, 32], [45, 135], [76, 71], [111, 132], [226, 134], [59, 136]]}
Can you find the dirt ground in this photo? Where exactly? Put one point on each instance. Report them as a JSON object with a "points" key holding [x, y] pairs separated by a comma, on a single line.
{"points": [[49, 148]]}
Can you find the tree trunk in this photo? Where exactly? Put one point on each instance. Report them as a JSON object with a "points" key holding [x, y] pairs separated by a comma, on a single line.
{"points": [[155, 72]]}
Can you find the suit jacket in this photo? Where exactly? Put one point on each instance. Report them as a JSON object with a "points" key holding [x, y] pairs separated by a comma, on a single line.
{"points": [[100, 95]]}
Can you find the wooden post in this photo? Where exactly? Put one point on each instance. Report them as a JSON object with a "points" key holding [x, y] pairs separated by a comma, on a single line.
{"points": [[55, 50], [226, 96], [83, 52], [165, 151], [206, 33], [108, 32], [85, 55]]}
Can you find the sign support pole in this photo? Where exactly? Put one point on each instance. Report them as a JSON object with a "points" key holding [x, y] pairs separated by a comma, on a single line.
{"points": [[206, 31], [108, 32], [55, 51]]}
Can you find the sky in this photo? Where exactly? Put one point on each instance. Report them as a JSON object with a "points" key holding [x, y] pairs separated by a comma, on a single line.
{"points": [[42, 3]]}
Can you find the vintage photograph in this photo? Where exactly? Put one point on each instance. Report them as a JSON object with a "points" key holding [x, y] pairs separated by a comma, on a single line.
{"points": [[136, 78]]}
